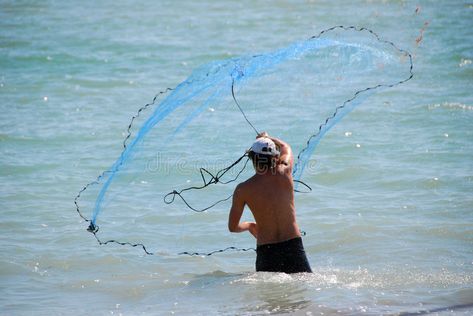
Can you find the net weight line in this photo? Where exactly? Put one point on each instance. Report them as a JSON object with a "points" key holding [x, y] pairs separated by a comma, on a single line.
{"points": [[93, 228], [358, 92]]}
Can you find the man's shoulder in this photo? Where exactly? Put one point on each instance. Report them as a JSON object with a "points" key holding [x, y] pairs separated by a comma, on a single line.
{"points": [[245, 185]]}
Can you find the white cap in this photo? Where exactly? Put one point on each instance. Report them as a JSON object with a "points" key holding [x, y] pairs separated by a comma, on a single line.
{"points": [[264, 146]]}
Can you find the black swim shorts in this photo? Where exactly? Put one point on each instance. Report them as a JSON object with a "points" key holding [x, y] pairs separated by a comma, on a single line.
{"points": [[287, 256]]}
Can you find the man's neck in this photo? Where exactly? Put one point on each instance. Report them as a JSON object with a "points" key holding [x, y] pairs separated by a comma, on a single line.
{"points": [[266, 172]]}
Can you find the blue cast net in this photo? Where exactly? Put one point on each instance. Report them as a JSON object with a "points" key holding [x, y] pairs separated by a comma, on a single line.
{"points": [[186, 148]]}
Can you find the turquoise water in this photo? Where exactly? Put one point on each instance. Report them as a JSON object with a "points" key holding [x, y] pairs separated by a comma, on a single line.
{"points": [[389, 221]]}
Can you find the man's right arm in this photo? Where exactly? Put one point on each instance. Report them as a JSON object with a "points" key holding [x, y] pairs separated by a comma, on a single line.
{"points": [[286, 156]]}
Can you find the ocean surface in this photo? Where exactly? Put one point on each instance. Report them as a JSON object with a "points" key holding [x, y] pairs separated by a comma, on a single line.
{"points": [[389, 221]]}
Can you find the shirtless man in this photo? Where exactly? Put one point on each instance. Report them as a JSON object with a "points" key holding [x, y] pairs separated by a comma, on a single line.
{"points": [[270, 196]]}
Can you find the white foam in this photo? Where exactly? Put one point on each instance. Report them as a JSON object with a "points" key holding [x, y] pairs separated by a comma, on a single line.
{"points": [[451, 105], [464, 62]]}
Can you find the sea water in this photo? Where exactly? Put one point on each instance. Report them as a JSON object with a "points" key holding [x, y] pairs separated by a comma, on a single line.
{"points": [[389, 220]]}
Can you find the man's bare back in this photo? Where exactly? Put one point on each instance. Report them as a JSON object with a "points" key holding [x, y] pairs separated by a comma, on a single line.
{"points": [[270, 196]]}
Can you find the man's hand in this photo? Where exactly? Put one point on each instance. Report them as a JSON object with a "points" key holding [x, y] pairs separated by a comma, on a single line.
{"points": [[246, 226], [262, 134], [253, 228]]}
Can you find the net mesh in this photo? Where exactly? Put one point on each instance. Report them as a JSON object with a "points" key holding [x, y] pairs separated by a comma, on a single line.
{"points": [[194, 136]]}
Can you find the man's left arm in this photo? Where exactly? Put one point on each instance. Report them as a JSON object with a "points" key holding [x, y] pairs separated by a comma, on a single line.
{"points": [[236, 211]]}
